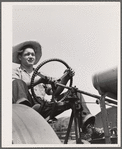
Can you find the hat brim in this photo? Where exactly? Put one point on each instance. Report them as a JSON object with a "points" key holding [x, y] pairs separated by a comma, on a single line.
{"points": [[35, 45]]}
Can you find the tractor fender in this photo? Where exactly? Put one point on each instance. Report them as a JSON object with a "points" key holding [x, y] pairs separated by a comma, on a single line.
{"points": [[29, 127]]}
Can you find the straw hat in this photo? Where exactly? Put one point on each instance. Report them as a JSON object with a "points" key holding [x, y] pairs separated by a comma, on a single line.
{"points": [[35, 45]]}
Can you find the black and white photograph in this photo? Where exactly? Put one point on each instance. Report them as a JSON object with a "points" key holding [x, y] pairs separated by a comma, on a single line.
{"points": [[61, 74]]}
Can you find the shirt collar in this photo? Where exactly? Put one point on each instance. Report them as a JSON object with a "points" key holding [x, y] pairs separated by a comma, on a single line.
{"points": [[24, 69]]}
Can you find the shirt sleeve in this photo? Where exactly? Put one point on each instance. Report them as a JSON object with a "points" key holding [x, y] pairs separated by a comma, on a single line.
{"points": [[15, 74]]}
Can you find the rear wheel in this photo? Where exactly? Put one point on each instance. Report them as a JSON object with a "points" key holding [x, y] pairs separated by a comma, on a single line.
{"points": [[29, 127]]}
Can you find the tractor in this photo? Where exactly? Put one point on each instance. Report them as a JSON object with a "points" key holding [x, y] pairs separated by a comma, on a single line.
{"points": [[29, 127]]}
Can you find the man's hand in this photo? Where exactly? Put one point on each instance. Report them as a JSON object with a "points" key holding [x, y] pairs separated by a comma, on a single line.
{"points": [[50, 80], [69, 72]]}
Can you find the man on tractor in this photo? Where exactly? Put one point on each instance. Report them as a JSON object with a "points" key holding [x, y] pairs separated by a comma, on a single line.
{"points": [[27, 54]]}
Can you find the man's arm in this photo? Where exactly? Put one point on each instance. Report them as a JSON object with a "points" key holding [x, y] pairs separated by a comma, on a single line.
{"points": [[64, 79], [38, 80]]}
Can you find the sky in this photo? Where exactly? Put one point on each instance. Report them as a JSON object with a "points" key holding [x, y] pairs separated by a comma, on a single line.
{"points": [[86, 35]]}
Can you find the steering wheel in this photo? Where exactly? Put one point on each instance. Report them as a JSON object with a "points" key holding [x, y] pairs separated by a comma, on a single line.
{"points": [[36, 72]]}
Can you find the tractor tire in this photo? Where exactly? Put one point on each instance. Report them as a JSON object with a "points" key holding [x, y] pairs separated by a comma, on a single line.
{"points": [[29, 127]]}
